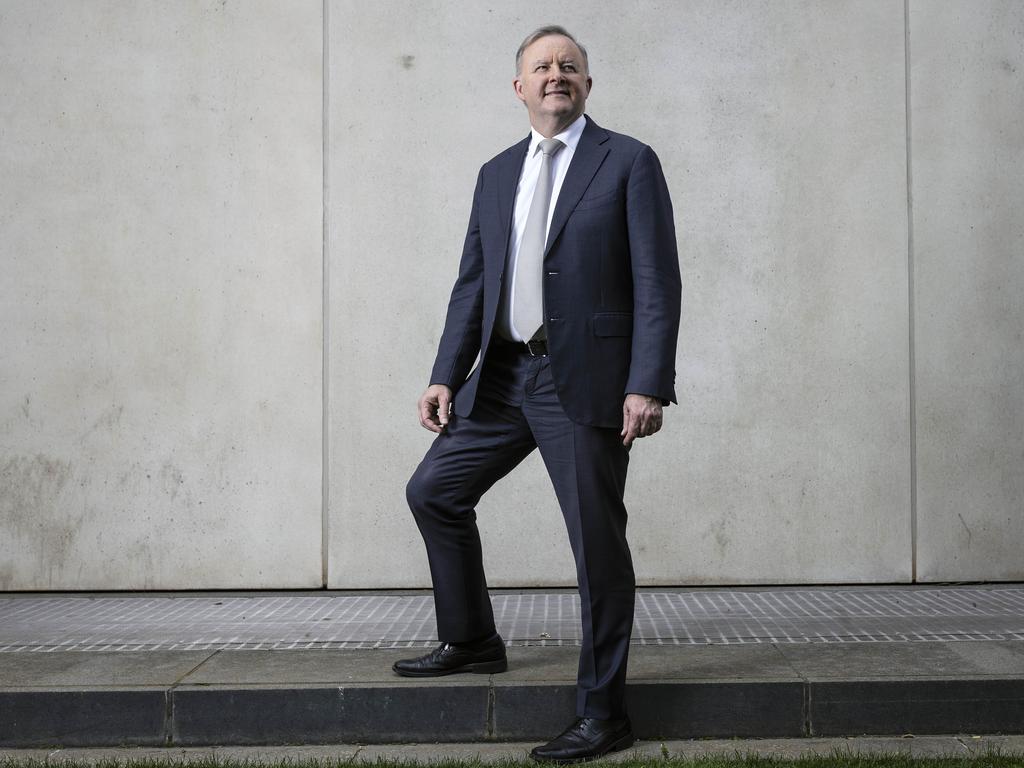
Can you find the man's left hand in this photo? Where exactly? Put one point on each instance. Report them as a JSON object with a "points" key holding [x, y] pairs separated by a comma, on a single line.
{"points": [[641, 417]]}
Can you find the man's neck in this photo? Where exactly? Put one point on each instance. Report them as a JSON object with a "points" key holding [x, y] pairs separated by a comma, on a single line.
{"points": [[553, 127]]}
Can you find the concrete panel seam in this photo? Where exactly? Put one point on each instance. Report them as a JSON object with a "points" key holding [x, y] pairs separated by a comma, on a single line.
{"points": [[168, 717], [489, 721], [808, 726], [912, 383], [169, 697], [325, 300]]}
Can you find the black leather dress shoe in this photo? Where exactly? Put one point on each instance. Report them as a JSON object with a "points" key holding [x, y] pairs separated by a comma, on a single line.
{"points": [[586, 739], [484, 658]]}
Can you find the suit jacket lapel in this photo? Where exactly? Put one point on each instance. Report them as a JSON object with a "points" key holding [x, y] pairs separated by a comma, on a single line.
{"points": [[587, 158], [509, 170]]}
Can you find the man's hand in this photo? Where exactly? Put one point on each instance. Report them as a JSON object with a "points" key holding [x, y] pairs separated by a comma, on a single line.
{"points": [[434, 406], [641, 417]]}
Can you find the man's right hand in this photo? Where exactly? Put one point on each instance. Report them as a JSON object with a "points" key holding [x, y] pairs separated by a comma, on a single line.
{"points": [[434, 406]]}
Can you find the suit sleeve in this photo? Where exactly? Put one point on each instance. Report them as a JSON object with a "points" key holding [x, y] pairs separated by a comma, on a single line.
{"points": [[656, 283], [460, 340]]}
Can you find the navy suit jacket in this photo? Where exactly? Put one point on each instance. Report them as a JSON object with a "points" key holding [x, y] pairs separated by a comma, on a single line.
{"points": [[611, 280]]}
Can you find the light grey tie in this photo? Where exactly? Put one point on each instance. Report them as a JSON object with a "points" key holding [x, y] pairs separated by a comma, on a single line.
{"points": [[528, 306]]}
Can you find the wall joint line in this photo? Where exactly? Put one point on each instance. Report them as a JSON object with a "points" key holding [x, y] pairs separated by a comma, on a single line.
{"points": [[912, 383], [325, 484]]}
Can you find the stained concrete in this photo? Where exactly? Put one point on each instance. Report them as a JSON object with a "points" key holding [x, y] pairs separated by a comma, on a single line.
{"points": [[160, 217], [967, 128]]}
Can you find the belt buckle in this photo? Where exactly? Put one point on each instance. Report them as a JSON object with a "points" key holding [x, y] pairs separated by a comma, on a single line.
{"points": [[537, 347]]}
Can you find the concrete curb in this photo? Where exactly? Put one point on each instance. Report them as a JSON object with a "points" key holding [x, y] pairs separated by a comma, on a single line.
{"points": [[434, 711], [189, 698]]}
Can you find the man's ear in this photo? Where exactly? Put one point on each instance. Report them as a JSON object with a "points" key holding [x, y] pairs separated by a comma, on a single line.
{"points": [[517, 84], [590, 83]]}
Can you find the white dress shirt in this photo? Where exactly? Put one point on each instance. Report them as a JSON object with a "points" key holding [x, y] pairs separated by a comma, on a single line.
{"points": [[570, 137]]}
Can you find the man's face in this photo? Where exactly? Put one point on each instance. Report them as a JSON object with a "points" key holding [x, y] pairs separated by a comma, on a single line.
{"points": [[553, 82]]}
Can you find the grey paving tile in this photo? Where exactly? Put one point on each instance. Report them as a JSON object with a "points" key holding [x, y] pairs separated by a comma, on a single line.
{"points": [[709, 662], [656, 663], [70, 668], [885, 660], [993, 657], [296, 666], [540, 664]]}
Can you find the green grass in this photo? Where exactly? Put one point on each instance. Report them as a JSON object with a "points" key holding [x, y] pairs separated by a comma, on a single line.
{"points": [[993, 759]]}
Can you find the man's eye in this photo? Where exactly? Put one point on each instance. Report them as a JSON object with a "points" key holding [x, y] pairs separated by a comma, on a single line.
{"points": [[569, 68]]}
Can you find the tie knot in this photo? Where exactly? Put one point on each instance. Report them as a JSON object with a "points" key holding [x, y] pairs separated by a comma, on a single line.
{"points": [[550, 147]]}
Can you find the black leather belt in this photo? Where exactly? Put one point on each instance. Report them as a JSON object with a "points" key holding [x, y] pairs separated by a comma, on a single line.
{"points": [[534, 347], [537, 347]]}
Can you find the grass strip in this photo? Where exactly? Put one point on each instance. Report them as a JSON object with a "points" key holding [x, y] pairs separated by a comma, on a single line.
{"points": [[838, 759]]}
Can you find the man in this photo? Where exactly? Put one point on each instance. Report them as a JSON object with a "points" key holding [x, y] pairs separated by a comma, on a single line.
{"points": [[568, 290]]}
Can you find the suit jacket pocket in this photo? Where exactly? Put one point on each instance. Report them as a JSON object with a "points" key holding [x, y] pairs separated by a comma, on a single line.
{"points": [[613, 324], [598, 201]]}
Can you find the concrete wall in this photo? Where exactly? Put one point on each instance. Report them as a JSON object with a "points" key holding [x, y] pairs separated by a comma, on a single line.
{"points": [[163, 420], [967, 117], [161, 255]]}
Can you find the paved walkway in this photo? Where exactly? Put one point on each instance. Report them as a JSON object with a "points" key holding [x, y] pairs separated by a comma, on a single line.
{"points": [[699, 617], [195, 669], [916, 746]]}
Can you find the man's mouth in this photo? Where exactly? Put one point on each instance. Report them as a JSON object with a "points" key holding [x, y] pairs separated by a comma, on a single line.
{"points": [[557, 93]]}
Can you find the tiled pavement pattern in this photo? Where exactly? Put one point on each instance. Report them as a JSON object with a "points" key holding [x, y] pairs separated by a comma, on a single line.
{"points": [[235, 622]]}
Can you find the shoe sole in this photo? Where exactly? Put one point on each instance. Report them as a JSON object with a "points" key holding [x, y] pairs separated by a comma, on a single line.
{"points": [[625, 742], [477, 668]]}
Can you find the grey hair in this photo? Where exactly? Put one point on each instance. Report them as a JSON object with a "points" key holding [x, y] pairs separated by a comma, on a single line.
{"points": [[551, 29]]}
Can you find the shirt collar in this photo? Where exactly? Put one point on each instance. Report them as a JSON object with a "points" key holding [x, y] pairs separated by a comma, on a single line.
{"points": [[570, 136]]}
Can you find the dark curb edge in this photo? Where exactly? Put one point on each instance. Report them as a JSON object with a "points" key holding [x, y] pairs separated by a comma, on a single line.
{"points": [[182, 715]]}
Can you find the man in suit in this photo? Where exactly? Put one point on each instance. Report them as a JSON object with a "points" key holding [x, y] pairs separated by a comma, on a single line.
{"points": [[569, 293]]}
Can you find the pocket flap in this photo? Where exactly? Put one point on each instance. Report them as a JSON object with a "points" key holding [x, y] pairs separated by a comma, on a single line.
{"points": [[613, 324], [600, 199]]}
